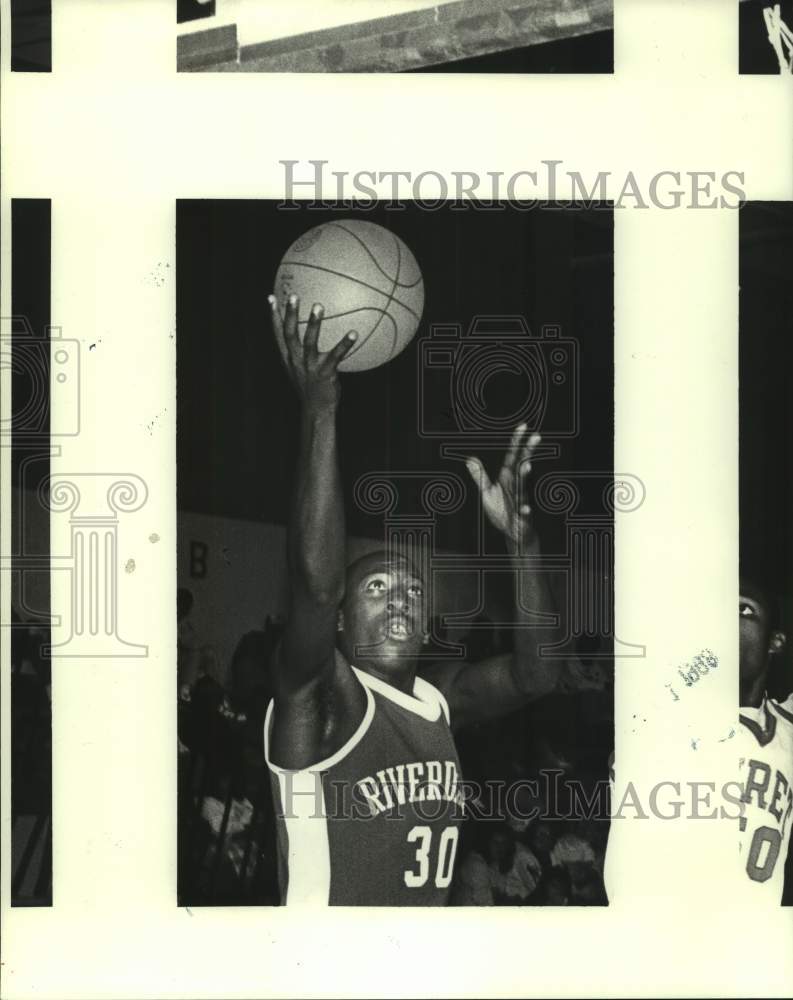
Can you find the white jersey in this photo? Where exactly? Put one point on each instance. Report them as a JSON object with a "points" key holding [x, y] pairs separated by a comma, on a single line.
{"points": [[766, 776]]}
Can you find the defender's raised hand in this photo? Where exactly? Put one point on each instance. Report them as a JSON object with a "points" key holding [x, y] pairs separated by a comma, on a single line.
{"points": [[502, 499], [314, 374]]}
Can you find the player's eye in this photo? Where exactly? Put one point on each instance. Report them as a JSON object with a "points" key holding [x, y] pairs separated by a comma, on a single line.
{"points": [[745, 610], [415, 590], [376, 586]]}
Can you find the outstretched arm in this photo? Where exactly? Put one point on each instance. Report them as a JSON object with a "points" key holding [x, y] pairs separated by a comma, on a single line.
{"points": [[493, 687], [315, 542]]}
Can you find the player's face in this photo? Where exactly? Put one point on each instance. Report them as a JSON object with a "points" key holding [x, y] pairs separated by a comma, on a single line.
{"points": [[754, 634], [384, 613]]}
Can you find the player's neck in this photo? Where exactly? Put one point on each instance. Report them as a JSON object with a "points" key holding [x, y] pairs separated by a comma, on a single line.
{"points": [[401, 677]]}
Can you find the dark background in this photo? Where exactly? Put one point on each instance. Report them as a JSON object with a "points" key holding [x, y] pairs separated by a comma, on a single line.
{"points": [[766, 408], [31, 36], [237, 413], [31, 719], [756, 53], [766, 420]]}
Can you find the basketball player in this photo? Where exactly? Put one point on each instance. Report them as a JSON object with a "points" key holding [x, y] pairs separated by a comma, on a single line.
{"points": [[361, 744], [766, 749]]}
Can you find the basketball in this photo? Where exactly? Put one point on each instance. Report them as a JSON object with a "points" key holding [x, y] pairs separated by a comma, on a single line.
{"points": [[366, 279]]}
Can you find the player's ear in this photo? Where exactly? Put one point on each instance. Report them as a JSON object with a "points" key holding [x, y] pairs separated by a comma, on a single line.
{"points": [[777, 642], [340, 620]]}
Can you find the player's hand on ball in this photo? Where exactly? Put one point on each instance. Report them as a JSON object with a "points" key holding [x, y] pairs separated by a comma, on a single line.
{"points": [[502, 499], [314, 374]]}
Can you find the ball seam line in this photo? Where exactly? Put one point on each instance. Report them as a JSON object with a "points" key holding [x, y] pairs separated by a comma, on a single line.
{"points": [[338, 225], [349, 277]]}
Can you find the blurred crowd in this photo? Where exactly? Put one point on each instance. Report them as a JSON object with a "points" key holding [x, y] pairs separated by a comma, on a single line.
{"points": [[544, 863], [528, 840], [226, 816]]}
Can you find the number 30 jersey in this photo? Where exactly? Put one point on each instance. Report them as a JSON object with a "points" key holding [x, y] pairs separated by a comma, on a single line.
{"points": [[766, 776], [377, 823]]}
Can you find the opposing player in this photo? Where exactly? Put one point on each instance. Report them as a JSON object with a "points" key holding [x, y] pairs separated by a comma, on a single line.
{"points": [[766, 748], [360, 743]]}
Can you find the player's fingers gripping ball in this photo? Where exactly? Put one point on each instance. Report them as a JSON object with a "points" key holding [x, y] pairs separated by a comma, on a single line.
{"points": [[366, 279]]}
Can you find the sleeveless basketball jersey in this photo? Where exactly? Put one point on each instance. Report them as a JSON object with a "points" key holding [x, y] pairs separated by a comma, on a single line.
{"points": [[377, 823], [766, 776]]}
